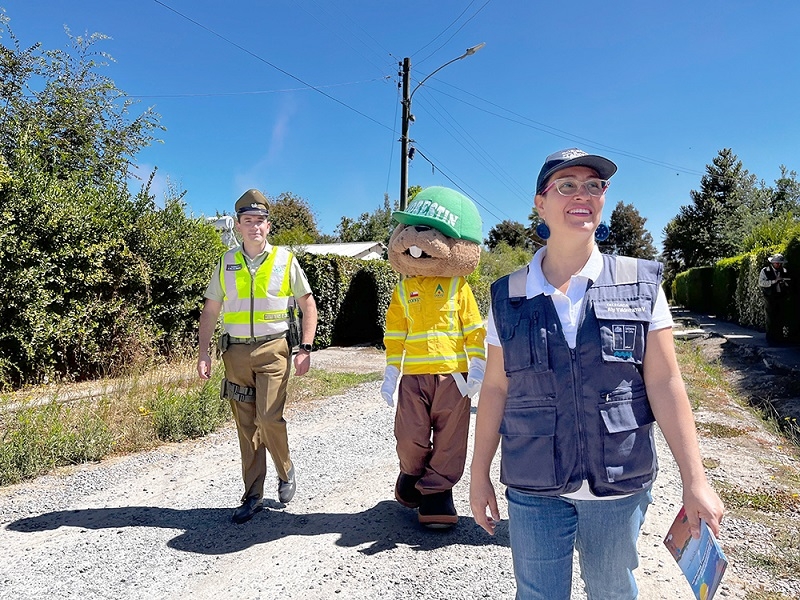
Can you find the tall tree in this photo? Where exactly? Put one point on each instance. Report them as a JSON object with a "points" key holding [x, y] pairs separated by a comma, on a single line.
{"points": [[73, 119], [785, 196], [293, 220], [513, 233], [722, 212], [628, 234], [376, 226], [93, 279]]}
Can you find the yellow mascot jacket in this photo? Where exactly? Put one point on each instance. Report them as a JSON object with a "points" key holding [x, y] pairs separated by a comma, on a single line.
{"points": [[436, 323]]}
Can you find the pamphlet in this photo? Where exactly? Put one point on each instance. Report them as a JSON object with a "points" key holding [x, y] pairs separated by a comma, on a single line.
{"points": [[702, 560]]}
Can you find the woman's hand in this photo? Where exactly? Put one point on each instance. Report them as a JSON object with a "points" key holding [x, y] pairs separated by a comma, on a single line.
{"points": [[481, 496]]}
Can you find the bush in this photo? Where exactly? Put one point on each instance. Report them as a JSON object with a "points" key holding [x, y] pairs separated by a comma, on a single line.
{"points": [[95, 281], [180, 415], [37, 439], [352, 297]]}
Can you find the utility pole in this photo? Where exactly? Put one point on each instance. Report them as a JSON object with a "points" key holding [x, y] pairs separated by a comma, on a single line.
{"points": [[406, 65], [408, 117]]}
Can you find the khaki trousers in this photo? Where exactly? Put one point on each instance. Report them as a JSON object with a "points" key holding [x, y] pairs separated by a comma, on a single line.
{"points": [[260, 424], [431, 427]]}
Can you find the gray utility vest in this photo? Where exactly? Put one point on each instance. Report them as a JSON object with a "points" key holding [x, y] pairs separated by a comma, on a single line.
{"points": [[578, 414]]}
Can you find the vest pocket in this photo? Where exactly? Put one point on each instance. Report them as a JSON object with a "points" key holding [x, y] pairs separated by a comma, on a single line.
{"points": [[524, 345], [628, 450], [622, 329], [528, 446]]}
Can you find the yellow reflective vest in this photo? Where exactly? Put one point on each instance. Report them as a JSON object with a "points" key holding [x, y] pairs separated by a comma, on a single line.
{"points": [[433, 326], [256, 299]]}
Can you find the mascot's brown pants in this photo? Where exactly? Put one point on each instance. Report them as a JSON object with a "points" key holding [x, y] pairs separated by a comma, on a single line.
{"points": [[431, 426], [260, 424]]}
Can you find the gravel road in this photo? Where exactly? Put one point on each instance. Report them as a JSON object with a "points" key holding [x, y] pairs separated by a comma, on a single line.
{"points": [[157, 524]]}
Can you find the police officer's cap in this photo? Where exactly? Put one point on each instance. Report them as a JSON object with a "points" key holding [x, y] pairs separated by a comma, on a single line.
{"points": [[252, 202]]}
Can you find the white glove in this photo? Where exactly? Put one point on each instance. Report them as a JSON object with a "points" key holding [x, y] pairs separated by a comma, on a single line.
{"points": [[477, 367], [390, 375]]}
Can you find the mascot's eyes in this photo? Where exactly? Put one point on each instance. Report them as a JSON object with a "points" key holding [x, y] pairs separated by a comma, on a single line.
{"points": [[422, 228]]}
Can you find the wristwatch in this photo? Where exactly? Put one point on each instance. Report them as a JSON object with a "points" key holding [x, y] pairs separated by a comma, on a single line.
{"points": [[305, 347]]}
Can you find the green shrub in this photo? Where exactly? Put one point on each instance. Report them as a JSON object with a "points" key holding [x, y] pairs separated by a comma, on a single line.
{"points": [[352, 297], [37, 439], [183, 414]]}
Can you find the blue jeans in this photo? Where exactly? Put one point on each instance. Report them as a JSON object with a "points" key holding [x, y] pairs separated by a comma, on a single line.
{"points": [[545, 530]]}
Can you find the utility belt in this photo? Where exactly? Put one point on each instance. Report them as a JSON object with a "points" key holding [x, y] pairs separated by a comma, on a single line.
{"points": [[240, 393], [226, 340]]}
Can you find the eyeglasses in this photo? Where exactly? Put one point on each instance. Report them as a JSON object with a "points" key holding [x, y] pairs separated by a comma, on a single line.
{"points": [[569, 186]]}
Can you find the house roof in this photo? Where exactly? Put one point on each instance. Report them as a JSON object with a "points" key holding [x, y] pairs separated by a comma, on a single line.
{"points": [[363, 250]]}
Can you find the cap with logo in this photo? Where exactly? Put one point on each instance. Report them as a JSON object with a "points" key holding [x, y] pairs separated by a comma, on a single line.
{"points": [[446, 210], [252, 202], [574, 157]]}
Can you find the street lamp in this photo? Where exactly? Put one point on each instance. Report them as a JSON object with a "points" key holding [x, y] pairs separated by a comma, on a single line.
{"points": [[408, 117]]}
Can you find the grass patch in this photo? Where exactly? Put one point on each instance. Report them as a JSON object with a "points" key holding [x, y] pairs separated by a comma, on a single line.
{"points": [[705, 380], [36, 440], [718, 430], [128, 415], [318, 383], [762, 499]]}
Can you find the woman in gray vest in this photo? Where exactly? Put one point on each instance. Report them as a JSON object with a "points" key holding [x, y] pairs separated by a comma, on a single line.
{"points": [[581, 363]]}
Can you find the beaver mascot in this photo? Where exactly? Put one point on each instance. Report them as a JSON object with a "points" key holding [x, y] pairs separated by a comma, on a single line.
{"points": [[435, 338]]}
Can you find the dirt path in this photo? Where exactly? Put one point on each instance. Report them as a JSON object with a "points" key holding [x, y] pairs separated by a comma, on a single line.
{"points": [[156, 524]]}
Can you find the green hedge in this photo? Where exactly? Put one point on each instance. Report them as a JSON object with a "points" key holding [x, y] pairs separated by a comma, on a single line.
{"points": [[730, 288], [352, 297], [95, 281]]}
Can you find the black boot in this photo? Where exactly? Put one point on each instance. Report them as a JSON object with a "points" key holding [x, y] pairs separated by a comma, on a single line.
{"points": [[405, 491], [247, 510], [437, 511]]}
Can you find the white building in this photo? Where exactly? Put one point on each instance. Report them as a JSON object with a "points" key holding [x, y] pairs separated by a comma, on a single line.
{"points": [[362, 250]]}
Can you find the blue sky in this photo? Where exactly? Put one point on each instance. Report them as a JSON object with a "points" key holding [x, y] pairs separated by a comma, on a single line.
{"points": [[303, 96]]}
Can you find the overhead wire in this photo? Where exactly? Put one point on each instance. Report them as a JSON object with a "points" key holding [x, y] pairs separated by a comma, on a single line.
{"points": [[254, 92], [274, 66], [524, 197], [341, 12], [517, 118], [485, 4], [472, 195], [485, 157]]}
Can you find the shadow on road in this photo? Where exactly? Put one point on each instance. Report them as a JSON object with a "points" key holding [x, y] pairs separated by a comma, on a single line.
{"points": [[385, 526]]}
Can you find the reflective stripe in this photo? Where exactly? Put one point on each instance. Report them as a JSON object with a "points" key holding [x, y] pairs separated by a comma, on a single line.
{"points": [[626, 270], [256, 306]]}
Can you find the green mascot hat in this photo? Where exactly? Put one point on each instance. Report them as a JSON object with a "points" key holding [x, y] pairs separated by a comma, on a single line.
{"points": [[446, 210]]}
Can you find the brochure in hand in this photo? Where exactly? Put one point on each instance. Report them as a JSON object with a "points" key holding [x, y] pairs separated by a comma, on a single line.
{"points": [[702, 560]]}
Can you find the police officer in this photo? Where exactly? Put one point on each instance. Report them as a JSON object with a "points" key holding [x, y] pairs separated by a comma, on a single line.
{"points": [[254, 285], [774, 283]]}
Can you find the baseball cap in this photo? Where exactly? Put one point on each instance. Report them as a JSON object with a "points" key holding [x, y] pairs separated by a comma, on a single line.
{"points": [[252, 202], [574, 157], [446, 210]]}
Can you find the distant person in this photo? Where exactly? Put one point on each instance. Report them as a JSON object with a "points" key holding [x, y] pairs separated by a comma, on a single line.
{"points": [[252, 285], [581, 363], [774, 283]]}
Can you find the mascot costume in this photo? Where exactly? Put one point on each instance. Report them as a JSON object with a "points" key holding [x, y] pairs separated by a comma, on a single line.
{"points": [[435, 337]]}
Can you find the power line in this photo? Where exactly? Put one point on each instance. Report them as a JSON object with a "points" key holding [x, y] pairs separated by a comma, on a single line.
{"points": [[266, 62], [346, 40], [457, 30], [255, 92]]}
